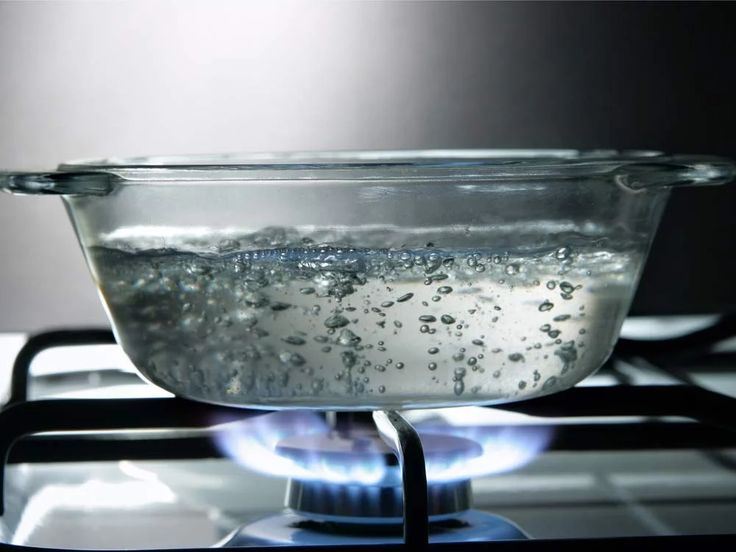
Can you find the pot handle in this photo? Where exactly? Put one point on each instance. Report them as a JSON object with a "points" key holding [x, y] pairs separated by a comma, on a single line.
{"points": [[678, 170], [57, 183]]}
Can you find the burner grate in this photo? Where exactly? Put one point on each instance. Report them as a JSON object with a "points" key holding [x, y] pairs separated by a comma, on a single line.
{"points": [[22, 418]]}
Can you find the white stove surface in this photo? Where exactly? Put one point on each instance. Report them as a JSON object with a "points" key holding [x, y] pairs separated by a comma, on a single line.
{"points": [[172, 504]]}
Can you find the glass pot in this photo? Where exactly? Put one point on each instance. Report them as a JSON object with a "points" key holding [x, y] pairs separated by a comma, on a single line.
{"points": [[369, 280]]}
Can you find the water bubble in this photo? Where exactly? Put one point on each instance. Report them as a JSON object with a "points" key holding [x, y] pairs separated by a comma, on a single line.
{"points": [[433, 350], [472, 361], [566, 287], [459, 387], [561, 318], [554, 333], [424, 328], [546, 306], [447, 319], [294, 340], [228, 245], [436, 298], [326, 349], [381, 388], [563, 253], [348, 338], [444, 290], [522, 384], [432, 366], [307, 290], [397, 324], [512, 269], [568, 354], [457, 357], [427, 318], [379, 368], [277, 306], [295, 359], [581, 331], [387, 304], [516, 357], [549, 383], [545, 328], [551, 284], [349, 359], [399, 365], [435, 278], [566, 296], [336, 321], [478, 342], [405, 297]]}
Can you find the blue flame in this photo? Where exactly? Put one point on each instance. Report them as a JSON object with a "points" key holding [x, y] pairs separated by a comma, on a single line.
{"points": [[252, 443], [504, 449]]}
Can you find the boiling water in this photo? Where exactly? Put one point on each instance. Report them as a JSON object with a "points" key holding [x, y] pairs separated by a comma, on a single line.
{"points": [[321, 326]]}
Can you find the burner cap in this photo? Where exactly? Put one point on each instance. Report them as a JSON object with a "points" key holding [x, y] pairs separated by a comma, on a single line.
{"points": [[358, 503]]}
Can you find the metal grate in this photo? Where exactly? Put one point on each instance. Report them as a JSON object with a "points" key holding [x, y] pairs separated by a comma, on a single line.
{"points": [[714, 426]]}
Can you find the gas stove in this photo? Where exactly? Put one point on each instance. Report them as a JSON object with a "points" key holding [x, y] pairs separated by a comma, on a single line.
{"points": [[643, 454]]}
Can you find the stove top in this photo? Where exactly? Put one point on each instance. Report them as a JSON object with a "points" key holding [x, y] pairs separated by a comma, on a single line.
{"points": [[645, 451]]}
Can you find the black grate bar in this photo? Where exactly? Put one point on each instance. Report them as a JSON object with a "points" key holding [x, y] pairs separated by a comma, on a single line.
{"points": [[650, 400], [26, 418], [48, 340], [403, 439], [692, 344], [567, 437]]}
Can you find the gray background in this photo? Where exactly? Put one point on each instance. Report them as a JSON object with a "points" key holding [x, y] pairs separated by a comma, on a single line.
{"points": [[92, 79]]}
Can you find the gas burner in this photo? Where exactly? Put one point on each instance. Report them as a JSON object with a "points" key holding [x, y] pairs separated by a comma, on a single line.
{"points": [[369, 504], [366, 501], [361, 500]]}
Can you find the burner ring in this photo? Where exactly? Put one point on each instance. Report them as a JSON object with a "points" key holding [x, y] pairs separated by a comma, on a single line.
{"points": [[356, 503]]}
